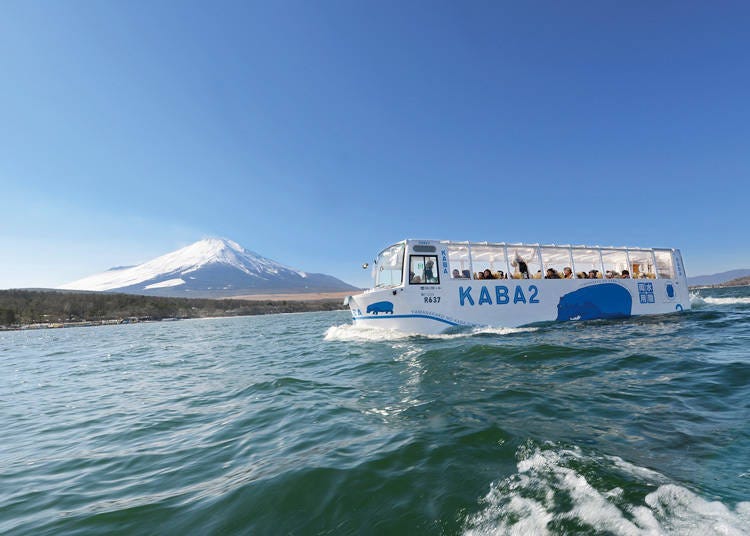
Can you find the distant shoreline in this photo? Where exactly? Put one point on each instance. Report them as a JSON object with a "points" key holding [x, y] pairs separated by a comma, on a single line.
{"points": [[722, 285], [49, 309]]}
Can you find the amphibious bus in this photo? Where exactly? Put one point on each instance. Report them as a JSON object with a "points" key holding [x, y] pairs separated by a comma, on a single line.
{"points": [[429, 286]]}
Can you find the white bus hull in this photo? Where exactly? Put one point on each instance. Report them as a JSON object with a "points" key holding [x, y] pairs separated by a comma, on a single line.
{"points": [[514, 302]]}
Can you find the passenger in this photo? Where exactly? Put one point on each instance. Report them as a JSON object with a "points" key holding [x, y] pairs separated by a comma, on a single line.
{"points": [[466, 274], [500, 274], [488, 274], [568, 273], [521, 267], [456, 274], [416, 280], [552, 274], [428, 275], [538, 274], [582, 275], [480, 275], [593, 274], [625, 274]]}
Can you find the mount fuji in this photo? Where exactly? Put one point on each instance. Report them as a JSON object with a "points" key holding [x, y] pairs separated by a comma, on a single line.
{"points": [[210, 268]]}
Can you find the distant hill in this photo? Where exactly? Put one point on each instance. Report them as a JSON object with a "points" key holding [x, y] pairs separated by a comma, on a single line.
{"points": [[717, 279], [739, 282], [211, 268]]}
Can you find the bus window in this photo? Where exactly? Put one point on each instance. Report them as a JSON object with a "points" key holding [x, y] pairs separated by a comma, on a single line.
{"points": [[423, 269], [524, 262], [664, 266], [615, 261], [588, 263], [458, 260], [389, 266], [641, 264], [489, 257], [554, 261]]}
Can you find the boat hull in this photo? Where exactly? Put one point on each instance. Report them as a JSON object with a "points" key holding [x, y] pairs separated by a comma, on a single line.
{"points": [[512, 303]]}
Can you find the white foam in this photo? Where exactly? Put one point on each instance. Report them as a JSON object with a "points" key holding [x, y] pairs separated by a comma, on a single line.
{"points": [[356, 332], [500, 331], [727, 301], [642, 473], [697, 299], [545, 490], [681, 511]]}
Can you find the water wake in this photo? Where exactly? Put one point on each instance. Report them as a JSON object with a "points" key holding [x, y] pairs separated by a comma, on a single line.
{"points": [[354, 332], [727, 301], [697, 300], [551, 494]]}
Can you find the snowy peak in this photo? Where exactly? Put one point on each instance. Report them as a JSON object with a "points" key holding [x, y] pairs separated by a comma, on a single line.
{"points": [[209, 251], [209, 266]]}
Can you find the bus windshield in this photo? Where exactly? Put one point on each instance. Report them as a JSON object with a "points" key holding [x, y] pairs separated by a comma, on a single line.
{"points": [[389, 266]]}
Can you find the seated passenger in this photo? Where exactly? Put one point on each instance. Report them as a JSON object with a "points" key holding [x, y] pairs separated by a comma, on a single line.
{"points": [[552, 274], [456, 274], [488, 274], [500, 274], [568, 273], [480, 275], [593, 274], [625, 274], [582, 275], [466, 274]]}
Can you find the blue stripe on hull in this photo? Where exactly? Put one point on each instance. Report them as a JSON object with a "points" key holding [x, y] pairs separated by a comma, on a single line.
{"points": [[388, 317]]}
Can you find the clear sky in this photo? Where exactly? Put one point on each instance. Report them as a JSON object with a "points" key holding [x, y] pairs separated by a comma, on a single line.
{"points": [[317, 133]]}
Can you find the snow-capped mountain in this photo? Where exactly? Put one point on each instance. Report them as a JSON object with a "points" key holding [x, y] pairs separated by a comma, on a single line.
{"points": [[212, 267]]}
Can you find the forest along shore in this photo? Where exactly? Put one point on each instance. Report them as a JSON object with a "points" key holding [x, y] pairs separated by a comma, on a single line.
{"points": [[30, 309]]}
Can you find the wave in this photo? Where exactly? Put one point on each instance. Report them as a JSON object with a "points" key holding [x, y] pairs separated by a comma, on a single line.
{"points": [[354, 332], [745, 300], [550, 493], [696, 300]]}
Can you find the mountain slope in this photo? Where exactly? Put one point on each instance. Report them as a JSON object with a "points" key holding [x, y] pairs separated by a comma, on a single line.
{"points": [[716, 279], [209, 268]]}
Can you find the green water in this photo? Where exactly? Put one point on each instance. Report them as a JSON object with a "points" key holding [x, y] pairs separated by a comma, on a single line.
{"points": [[303, 424]]}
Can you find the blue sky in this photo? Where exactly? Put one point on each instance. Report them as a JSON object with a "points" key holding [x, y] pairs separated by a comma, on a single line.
{"points": [[317, 133]]}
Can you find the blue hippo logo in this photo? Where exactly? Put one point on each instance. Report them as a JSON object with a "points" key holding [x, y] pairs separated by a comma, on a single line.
{"points": [[607, 300], [380, 307]]}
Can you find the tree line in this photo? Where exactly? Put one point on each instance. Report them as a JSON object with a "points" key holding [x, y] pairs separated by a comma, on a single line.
{"points": [[24, 307]]}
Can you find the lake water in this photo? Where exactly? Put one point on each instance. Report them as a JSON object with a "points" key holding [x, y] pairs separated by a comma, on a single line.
{"points": [[303, 424]]}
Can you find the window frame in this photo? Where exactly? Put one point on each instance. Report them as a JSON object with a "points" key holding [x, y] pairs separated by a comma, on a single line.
{"points": [[376, 266], [424, 260]]}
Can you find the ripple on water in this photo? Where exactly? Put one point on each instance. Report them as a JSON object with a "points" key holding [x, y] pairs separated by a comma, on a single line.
{"points": [[306, 424]]}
